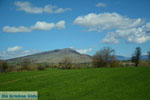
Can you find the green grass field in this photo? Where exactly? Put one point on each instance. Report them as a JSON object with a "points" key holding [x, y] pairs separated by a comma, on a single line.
{"points": [[82, 84]]}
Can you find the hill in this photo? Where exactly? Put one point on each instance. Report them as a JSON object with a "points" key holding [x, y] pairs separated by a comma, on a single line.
{"points": [[121, 58], [54, 56], [144, 57]]}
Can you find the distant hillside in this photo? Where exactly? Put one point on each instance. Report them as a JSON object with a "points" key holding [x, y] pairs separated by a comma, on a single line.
{"points": [[54, 56], [143, 57], [121, 58]]}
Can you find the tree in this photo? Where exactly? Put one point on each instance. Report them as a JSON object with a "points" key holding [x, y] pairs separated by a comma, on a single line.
{"points": [[148, 55], [26, 64], [66, 63], [3, 66], [136, 56], [104, 57]]}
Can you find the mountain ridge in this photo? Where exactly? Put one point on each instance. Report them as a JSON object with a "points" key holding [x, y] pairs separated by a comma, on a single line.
{"points": [[57, 55], [54, 56]]}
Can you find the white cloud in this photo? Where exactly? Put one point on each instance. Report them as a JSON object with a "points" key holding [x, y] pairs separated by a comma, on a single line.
{"points": [[16, 51], [39, 25], [60, 24], [118, 27], [110, 38], [13, 49], [105, 21], [61, 10], [71, 47], [100, 4], [16, 29], [136, 35], [49, 8], [84, 51], [43, 26], [29, 8]]}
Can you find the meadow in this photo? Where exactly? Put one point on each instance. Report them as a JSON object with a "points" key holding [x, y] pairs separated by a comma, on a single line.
{"points": [[130, 83]]}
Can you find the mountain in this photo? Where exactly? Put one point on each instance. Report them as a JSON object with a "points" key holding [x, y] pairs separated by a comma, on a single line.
{"points": [[121, 58], [144, 57], [54, 56]]}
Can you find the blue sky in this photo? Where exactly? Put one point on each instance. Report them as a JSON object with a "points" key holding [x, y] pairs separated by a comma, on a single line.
{"points": [[31, 26]]}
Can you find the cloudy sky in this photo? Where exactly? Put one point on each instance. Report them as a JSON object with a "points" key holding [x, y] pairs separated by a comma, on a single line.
{"points": [[32, 26]]}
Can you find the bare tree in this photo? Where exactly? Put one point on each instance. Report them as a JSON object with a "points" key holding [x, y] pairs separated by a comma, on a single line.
{"points": [[104, 57], [136, 56], [66, 63]]}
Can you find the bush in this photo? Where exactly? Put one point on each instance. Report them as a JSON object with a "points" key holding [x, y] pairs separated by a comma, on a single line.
{"points": [[4, 66], [115, 64], [144, 63], [41, 67], [11, 68], [98, 61], [26, 65], [105, 58], [75, 66], [66, 63]]}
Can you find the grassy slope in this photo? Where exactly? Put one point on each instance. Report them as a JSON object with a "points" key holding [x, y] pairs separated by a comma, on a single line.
{"points": [[82, 84]]}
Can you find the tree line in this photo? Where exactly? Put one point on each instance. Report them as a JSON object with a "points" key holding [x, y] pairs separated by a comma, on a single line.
{"points": [[105, 57]]}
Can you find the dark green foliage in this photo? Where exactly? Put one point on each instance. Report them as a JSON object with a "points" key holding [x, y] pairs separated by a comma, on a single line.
{"points": [[41, 67], [4, 66], [136, 56]]}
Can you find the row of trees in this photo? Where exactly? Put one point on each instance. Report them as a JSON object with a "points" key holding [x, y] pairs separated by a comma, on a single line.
{"points": [[106, 57], [103, 58], [26, 65]]}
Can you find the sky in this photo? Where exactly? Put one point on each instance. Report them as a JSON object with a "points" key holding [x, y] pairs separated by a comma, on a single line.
{"points": [[32, 26]]}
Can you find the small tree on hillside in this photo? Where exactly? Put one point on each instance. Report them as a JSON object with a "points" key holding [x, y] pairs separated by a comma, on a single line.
{"points": [[26, 64], [136, 56], [104, 57]]}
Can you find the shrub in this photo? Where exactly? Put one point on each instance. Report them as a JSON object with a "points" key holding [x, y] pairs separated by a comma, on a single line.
{"points": [[41, 67], [98, 61], [26, 65], [104, 58], [66, 63], [4, 66], [11, 68], [75, 66], [144, 63], [115, 64]]}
